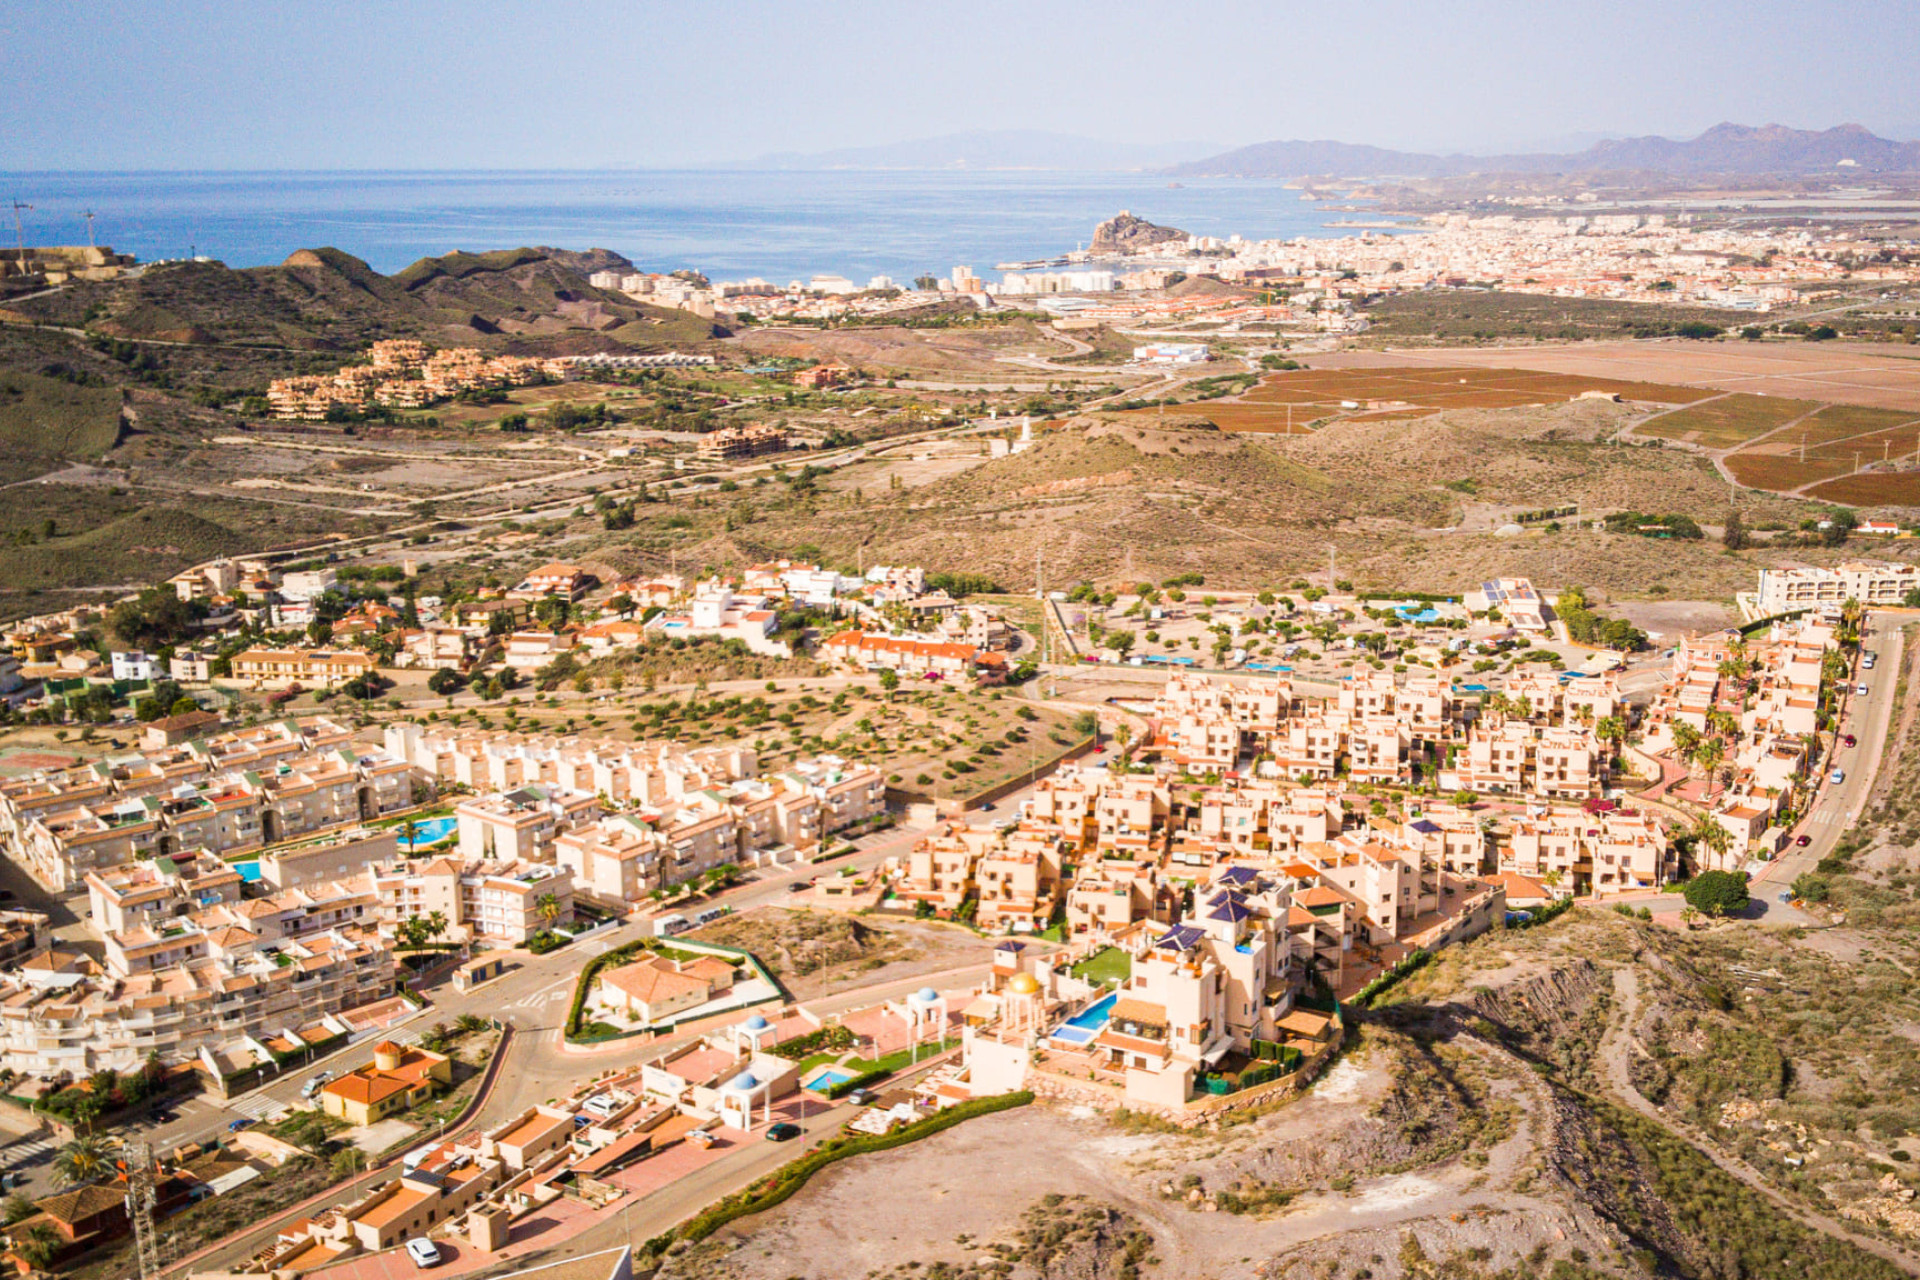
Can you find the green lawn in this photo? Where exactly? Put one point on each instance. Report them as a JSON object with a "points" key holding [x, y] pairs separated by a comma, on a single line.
{"points": [[1110, 967]]}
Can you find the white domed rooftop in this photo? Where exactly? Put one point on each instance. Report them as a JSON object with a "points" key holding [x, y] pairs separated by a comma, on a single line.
{"points": [[926, 995], [757, 1023], [745, 1082]]}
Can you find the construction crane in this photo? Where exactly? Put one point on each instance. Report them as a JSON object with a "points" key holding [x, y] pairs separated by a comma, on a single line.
{"points": [[20, 231], [141, 1198], [88, 215]]}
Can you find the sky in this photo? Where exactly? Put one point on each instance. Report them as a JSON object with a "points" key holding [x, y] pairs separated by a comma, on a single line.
{"points": [[428, 84]]}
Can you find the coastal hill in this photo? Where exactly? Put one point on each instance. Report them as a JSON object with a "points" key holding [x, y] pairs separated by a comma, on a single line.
{"points": [[1125, 233], [1730, 149], [534, 300]]}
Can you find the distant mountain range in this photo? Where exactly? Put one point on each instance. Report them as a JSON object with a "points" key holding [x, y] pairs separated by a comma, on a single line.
{"points": [[986, 150], [1732, 149]]}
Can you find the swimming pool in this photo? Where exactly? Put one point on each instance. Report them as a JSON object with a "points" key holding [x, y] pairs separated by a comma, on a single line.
{"points": [[430, 832], [827, 1077], [249, 871], [1083, 1026]]}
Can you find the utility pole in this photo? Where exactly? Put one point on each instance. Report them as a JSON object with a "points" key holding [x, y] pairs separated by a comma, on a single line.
{"points": [[88, 215]]}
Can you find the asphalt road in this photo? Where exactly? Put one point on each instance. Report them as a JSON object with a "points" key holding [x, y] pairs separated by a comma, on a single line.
{"points": [[1868, 719]]}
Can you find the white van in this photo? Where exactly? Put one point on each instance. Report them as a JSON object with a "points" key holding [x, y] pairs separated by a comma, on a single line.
{"points": [[667, 926]]}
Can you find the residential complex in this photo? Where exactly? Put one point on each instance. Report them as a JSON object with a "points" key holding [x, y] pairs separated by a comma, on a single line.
{"points": [[1871, 584], [228, 793], [404, 374]]}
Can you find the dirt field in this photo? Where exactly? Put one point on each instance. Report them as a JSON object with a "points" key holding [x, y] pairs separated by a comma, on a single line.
{"points": [[1844, 373], [815, 953], [1872, 489], [1726, 422]]}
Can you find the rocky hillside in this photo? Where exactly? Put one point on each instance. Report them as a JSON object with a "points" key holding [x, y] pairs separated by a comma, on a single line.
{"points": [[533, 300], [1124, 233]]}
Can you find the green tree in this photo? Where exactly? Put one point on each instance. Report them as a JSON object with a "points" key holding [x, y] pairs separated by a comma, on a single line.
{"points": [[83, 1160], [1733, 534], [38, 1246], [1718, 893]]}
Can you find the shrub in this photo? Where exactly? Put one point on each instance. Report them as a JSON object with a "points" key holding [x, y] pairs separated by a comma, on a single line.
{"points": [[1718, 893], [779, 1186]]}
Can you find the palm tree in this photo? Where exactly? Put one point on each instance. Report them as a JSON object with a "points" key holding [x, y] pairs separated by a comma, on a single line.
{"points": [[1851, 614], [549, 907], [1689, 917], [1685, 739], [1708, 753], [1714, 836], [37, 1246], [82, 1160], [1611, 729]]}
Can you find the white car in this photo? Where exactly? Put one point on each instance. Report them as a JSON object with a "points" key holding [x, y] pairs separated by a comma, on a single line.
{"points": [[423, 1252], [1860, 691], [1837, 777]]}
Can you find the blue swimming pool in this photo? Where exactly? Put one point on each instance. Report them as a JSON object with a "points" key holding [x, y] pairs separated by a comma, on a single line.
{"points": [[1083, 1026], [430, 832], [249, 871], [827, 1077]]}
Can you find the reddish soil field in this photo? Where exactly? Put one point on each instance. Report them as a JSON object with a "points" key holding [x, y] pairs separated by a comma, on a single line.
{"points": [[1877, 446], [1873, 489], [1843, 373], [1781, 474]]}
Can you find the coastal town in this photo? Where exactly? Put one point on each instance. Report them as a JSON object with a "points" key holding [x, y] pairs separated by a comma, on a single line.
{"points": [[1004, 706], [1172, 913]]}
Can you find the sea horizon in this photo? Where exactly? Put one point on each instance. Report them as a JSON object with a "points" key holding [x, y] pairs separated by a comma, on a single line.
{"points": [[728, 222]]}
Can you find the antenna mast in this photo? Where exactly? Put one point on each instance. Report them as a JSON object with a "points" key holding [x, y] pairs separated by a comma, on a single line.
{"points": [[88, 215], [20, 232], [140, 1202]]}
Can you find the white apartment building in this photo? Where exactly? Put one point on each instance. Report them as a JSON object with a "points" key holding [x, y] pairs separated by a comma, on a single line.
{"points": [[1871, 583]]}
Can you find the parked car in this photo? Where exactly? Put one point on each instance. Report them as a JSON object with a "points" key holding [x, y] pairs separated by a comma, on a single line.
{"points": [[860, 1097], [316, 1084], [244, 1122], [783, 1132], [1837, 777], [1851, 741], [423, 1252], [1804, 841], [1786, 895], [1860, 690]]}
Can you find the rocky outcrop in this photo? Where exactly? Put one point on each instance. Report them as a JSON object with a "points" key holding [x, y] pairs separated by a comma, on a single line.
{"points": [[1126, 233]]}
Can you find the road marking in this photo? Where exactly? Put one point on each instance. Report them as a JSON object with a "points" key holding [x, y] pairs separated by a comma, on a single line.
{"points": [[21, 1152], [258, 1107]]}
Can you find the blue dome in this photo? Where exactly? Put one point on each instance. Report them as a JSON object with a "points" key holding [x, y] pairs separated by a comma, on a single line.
{"points": [[926, 995], [757, 1023], [744, 1083]]}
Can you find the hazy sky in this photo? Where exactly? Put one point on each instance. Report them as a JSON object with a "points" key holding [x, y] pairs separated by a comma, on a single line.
{"points": [[199, 84]]}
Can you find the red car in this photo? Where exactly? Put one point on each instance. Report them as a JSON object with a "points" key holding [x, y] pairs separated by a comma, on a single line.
{"points": [[1804, 841], [1850, 740]]}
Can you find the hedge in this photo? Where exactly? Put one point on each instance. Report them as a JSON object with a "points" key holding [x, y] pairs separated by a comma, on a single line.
{"points": [[780, 1185], [1544, 914], [1414, 961], [617, 956], [844, 1087], [831, 1036]]}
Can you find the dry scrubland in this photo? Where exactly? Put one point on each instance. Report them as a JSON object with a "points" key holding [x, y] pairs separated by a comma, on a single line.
{"points": [[1515, 1111]]}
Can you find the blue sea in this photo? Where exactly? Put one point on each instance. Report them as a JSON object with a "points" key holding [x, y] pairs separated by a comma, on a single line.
{"points": [[778, 225]]}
